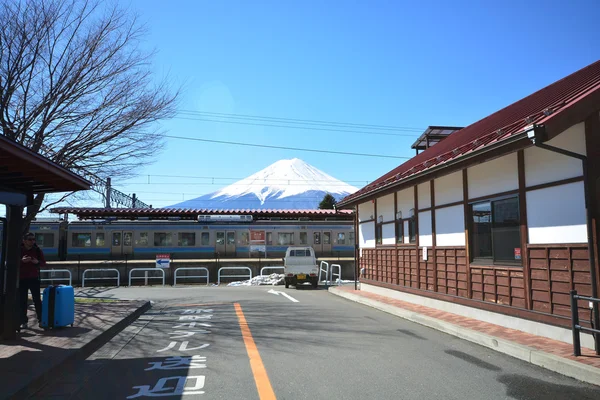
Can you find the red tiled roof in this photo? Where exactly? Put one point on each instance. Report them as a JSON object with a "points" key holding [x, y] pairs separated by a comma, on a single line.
{"points": [[503, 124], [158, 212]]}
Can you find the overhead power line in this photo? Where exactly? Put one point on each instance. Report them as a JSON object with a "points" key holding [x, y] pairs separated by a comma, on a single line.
{"points": [[214, 178], [229, 201], [415, 134], [285, 148], [303, 121], [212, 184]]}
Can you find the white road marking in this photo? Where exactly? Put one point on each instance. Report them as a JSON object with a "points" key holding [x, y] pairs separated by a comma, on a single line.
{"points": [[275, 292]]}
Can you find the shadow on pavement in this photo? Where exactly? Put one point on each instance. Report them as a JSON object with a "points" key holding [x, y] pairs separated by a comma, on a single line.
{"points": [[526, 388]]}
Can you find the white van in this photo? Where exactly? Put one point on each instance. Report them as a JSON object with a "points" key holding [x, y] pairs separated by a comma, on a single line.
{"points": [[300, 266]]}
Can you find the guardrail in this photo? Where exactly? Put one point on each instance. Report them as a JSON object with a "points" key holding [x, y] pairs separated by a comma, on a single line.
{"points": [[263, 268], [249, 276], [147, 277], [326, 270], [576, 328], [118, 277], [191, 276], [60, 278], [338, 274]]}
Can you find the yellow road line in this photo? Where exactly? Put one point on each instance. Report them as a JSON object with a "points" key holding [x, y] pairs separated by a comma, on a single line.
{"points": [[263, 385]]}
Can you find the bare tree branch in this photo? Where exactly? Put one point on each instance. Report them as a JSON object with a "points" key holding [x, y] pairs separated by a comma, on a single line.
{"points": [[76, 86]]}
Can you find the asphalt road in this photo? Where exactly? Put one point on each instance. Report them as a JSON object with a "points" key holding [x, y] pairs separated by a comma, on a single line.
{"points": [[318, 347]]}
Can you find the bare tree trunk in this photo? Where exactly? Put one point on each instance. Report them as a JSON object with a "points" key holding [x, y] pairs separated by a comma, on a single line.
{"points": [[75, 87]]}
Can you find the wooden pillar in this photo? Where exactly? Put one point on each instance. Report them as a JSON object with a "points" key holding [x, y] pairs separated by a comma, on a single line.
{"points": [[433, 241], [416, 208], [523, 230], [356, 251], [467, 224], [395, 263], [592, 139], [13, 254]]}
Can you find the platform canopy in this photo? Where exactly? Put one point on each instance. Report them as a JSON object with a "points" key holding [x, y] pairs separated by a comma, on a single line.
{"points": [[25, 173]]}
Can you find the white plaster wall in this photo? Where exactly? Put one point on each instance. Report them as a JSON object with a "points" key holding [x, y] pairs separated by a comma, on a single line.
{"points": [[450, 226], [366, 211], [448, 189], [406, 235], [496, 176], [557, 215], [388, 232], [425, 237], [405, 200], [543, 166], [366, 235], [385, 207], [424, 195]]}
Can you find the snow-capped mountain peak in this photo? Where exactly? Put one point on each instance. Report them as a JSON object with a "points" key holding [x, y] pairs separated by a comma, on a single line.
{"points": [[284, 184], [286, 178]]}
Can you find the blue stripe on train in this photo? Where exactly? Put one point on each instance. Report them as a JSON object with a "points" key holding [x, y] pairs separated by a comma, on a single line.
{"points": [[342, 248], [88, 250], [174, 249]]}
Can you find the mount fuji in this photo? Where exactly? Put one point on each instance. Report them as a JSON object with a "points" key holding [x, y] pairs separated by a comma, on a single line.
{"points": [[286, 184]]}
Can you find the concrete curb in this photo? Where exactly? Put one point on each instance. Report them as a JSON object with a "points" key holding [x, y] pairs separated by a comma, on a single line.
{"points": [[84, 352], [573, 369]]}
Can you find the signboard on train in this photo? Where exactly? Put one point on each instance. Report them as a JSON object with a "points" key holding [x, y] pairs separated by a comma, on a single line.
{"points": [[257, 237]]}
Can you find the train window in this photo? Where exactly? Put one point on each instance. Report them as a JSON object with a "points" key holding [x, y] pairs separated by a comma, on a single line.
{"points": [[204, 239], [44, 239], [231, 238], [285, 239], [162, 239], [143, 240], [100, 239], [303, 238], [116, 240], [351, 237], [220, 238], [269, 238], [244, 238], [317, 238], [326, 237], [186, 239], [81, 239], [341, 238], [127, 239]]}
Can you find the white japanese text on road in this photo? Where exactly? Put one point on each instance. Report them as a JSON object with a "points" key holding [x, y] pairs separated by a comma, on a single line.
{"points": [[195, 320]]}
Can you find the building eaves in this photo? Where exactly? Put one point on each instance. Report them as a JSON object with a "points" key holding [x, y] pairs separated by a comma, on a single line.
{"points": [[495, 129]]}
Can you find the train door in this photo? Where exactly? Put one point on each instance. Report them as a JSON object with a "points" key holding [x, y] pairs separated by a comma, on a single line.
{"points": [[225, 243], [121, 244], [322, 242]]}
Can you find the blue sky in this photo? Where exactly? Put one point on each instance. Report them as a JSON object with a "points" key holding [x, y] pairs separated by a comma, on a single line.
{"points": [[400, 63]]}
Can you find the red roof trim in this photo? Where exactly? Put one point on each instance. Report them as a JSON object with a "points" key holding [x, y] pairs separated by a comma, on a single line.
{"points": [[189, 211], [537, 108]]}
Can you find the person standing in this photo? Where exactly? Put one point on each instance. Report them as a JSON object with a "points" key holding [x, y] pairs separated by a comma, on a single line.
{"points": [[32, 259]]}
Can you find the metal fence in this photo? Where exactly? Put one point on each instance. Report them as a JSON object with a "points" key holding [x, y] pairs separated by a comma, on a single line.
{"points": [[576, 328], [60, 278], [118, 277], [191, 276], [263, 268], [146, 277], [249, 275]]}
